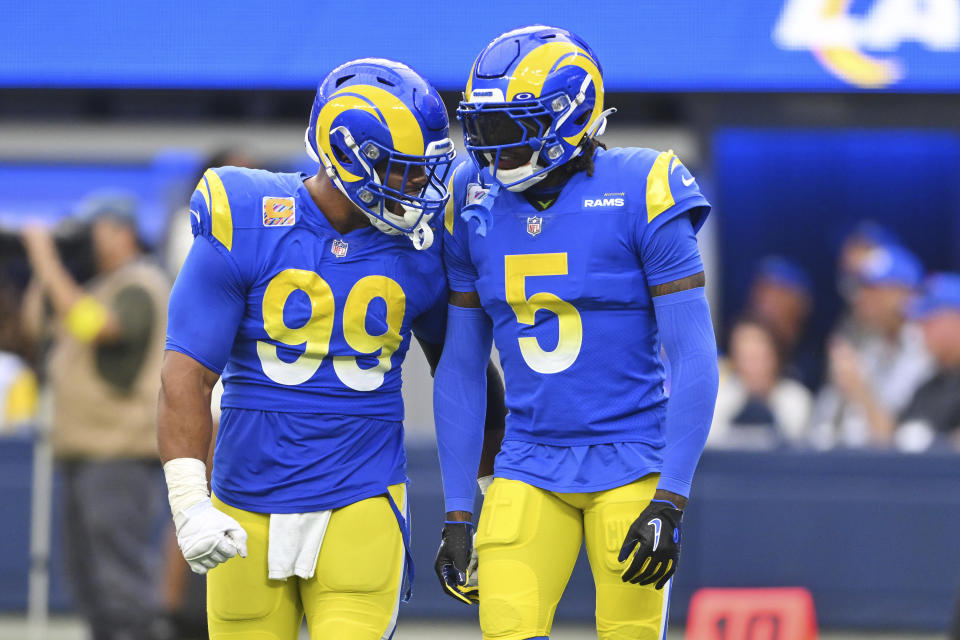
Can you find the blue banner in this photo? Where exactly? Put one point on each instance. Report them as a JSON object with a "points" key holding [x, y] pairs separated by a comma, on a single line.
{"points": [[644, 45]]}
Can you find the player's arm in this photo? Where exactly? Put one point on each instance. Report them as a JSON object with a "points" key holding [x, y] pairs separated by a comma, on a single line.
{"points": [[495, 415], [459, 406], [686, 333], [184, 418], [460, 400], [674, 271], [675, 483], [85, 318], [205, 309]]}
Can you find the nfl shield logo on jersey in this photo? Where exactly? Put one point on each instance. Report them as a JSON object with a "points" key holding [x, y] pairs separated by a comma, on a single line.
{"points": [[534, 225], [339, 248]]}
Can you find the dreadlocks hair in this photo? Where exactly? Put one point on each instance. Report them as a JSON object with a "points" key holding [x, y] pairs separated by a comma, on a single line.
{"points": [[584, 161]]}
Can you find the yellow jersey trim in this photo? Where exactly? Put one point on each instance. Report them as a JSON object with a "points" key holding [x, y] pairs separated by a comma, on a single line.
{"points": [[659, 196], [220, 214], [448, 209]]}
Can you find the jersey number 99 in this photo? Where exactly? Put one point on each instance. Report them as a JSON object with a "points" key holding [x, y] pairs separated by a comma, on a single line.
{"points": [[314, 334]]}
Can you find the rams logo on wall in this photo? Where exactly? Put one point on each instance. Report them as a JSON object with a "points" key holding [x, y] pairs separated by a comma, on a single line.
{"points": [[858, 41]]}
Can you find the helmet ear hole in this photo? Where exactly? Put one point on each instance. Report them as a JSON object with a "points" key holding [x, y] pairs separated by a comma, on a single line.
{"points": [[582, 118]]}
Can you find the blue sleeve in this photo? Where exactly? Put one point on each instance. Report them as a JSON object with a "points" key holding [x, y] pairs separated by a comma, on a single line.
{"points": [[669, 251], [430, 325], [460, 402], [461, 274], [686, 332], [206, 306]]}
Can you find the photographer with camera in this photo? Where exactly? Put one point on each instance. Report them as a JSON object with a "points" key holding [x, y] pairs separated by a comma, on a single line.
{"points": [[103, 368]]}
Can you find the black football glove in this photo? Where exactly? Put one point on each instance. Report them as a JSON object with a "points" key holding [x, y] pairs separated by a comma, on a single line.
{"points": [[453, 562], [656, 536]]}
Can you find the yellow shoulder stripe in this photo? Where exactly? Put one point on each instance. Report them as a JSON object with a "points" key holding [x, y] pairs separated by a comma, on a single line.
{"points": [[219, 206], [659, 196], [448, 210]]}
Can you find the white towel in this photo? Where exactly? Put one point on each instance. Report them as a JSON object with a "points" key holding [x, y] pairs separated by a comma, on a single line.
{"points": [[294, 543]]}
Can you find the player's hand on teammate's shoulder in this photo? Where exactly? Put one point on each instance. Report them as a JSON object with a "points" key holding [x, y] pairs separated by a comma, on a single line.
{"points": [[655, 535], [208, 537], [454, 562]]}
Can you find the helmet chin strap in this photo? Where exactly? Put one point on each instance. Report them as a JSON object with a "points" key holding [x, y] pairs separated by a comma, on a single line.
{"points": [[421, 235], [523, 173]]}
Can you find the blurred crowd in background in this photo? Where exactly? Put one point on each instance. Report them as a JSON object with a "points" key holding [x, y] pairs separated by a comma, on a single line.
{"points": [[83, 329], [887, 377], [883, 379]]}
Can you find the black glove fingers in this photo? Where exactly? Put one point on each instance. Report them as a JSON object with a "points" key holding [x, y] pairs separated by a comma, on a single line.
{"points": [[655, 535], [671, 569], [450, 575], [453, 559], [656, 573], [640, 562], [456, 595], [649, 575]]}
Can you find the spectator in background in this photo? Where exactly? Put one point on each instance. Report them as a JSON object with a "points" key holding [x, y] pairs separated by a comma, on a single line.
{"points": [[18, 394], [933, 414], [18, 384], [855, 250], [104, 372], [875, 371], [757, 408], [780, 297]]}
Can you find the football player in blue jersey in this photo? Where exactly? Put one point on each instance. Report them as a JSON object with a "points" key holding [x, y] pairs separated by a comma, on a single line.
{"points": [[302, 292], [579, 263]]}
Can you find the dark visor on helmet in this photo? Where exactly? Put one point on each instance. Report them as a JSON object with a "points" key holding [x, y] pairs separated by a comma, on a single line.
{"points": [[423, 183], [495, 129]]}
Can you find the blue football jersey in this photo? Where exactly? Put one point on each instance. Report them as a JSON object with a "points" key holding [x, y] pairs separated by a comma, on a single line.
{"points": [[567, 292], [314, 326]]}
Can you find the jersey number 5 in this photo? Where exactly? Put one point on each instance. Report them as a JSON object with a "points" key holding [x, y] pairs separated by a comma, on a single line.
{"points": [[315, 333], [516, 269]]}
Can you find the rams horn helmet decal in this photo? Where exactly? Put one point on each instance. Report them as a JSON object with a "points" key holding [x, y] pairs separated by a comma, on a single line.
{"points": [[372, 118], [537, 92]]}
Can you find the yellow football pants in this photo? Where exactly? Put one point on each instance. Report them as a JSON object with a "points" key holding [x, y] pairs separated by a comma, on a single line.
{"points": [[528, 540], [354, 594]]}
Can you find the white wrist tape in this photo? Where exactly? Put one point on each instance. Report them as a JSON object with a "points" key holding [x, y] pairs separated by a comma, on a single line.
{"points": [[484, 482], [186, 485]]}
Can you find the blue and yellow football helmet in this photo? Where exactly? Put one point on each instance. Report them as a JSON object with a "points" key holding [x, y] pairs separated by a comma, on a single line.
{"points": [[373, 118], [534, 92]]}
